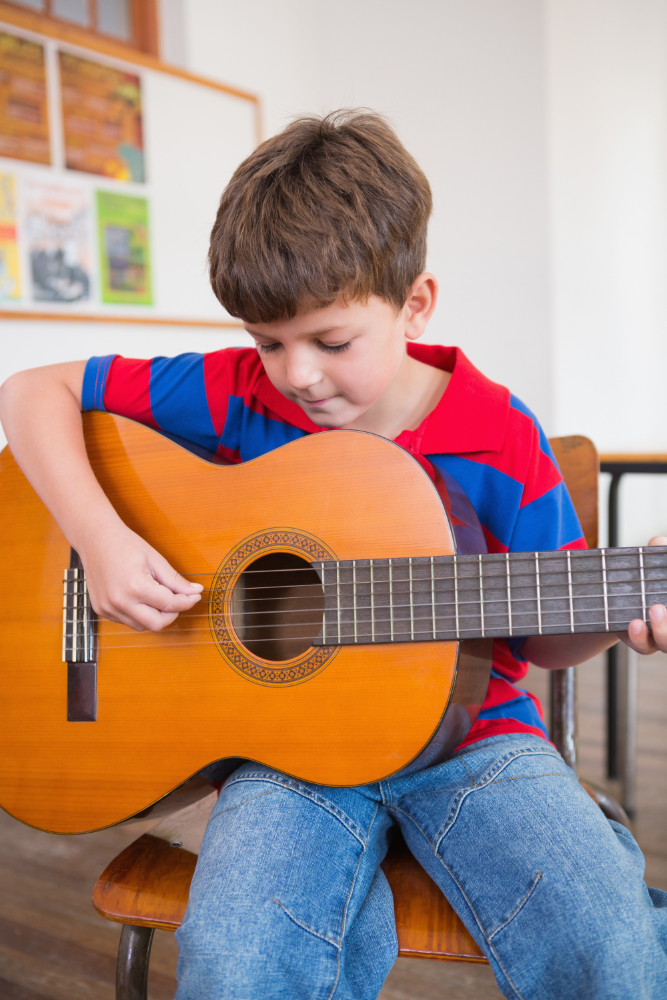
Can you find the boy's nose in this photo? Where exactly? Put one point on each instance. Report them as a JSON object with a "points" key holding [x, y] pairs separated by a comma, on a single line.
{"points": [[302, 374]]}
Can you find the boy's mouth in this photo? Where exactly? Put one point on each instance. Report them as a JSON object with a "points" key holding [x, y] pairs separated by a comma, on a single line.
{"points": [[317, 403]]}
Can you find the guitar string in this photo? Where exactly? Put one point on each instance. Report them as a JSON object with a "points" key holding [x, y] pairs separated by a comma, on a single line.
{"points": [[624, 611], [462, 634], [426, 605], [490, 558], [295, 624], [472, 580]]}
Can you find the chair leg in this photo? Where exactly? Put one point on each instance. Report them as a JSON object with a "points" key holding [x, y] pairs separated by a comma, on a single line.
{"points": [[564, 714], [134, 953]]}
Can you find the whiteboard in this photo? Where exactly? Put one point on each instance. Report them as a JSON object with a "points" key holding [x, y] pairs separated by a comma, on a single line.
{"points": [[195, 135]]}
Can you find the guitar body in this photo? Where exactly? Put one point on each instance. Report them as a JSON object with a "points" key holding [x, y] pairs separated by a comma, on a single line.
{"points": [[170, 703]]}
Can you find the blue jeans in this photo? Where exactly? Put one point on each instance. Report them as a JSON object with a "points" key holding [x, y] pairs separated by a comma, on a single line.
{"points": [[288, 901]]}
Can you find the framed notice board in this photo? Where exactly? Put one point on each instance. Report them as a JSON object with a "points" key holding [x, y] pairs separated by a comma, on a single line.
{"points": [[110, 175]]}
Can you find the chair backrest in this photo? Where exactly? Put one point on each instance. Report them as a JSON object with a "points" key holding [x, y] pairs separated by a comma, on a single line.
{"points": [[579, 464]]}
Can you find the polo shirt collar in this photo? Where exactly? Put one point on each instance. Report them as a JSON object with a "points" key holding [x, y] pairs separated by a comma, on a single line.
{"points": [[471, 415], [473, 412]]}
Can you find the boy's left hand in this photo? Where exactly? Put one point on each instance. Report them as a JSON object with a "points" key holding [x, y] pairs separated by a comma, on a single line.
{"points": [[638, 636]]}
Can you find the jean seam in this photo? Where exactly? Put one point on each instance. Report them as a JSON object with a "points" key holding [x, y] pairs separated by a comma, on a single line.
{"points": [[479, 924], [239, 804], [415, 823], [347, 903], [305, 927], [485, 780], [519, 907], [472, 780], [319, 800], [529, 777], [511, 755]]}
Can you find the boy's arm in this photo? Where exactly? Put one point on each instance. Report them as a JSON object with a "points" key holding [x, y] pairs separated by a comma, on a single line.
{"points": [[128, 580], [557, 651]]}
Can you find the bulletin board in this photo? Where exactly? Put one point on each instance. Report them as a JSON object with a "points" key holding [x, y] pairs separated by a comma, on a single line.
{"points": [[110, 176]]}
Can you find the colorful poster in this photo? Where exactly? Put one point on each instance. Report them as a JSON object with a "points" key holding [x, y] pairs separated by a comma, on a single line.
{"points": [[102, 124], [9, 256], [24, 117], [58, 233], [124, 248]]}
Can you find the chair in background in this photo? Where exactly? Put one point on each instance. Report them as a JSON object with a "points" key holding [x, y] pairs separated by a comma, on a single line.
{"points": [[147, 885]]}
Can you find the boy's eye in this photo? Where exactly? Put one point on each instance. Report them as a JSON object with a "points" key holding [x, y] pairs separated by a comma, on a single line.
{"points": [[267, 348], [333, 349]]}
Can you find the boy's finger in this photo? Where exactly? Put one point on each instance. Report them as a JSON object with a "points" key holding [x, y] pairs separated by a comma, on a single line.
{"points": [[658, 540], [658, 616], [638, 637], [164, 600], [168, 577]]}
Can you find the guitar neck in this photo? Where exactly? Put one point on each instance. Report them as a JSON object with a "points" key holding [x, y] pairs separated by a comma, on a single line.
{"points": [[497, 596]]}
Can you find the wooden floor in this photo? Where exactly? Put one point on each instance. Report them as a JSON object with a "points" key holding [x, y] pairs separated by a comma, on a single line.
{"points": [[53, 946]]}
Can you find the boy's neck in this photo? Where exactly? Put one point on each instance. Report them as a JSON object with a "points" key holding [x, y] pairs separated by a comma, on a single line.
{"points": [[414, 393]]}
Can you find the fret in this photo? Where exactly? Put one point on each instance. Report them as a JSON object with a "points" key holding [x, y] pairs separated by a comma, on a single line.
{"points": [[412, 607], [481, 595], [456, 594], [391, 601], [605, 596], [372, 602], [338, 598], [324, 616], [354, 596], [537, 587], [433, 599], [509, 592], [643, 582], [569, 590]]}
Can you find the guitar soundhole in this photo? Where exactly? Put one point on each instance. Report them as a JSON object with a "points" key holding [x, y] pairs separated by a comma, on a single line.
{"points": [[277, 606]]}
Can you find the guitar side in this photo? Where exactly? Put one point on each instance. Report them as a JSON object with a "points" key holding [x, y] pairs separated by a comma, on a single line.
{"points": [[170, 703]]}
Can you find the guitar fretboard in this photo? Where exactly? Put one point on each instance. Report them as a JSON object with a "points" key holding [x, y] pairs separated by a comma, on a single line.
{"points": [[511, 594]]}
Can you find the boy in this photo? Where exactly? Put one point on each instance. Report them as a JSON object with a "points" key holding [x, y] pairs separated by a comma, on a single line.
{"points": [[319, 246]]}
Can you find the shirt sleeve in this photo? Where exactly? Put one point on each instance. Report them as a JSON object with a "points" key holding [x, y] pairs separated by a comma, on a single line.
{"points": [[546, 520], [168, 394]]}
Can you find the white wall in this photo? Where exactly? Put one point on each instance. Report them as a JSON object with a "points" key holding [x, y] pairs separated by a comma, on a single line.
{"points": [[607, 115], [464, 82], [542, 125]]}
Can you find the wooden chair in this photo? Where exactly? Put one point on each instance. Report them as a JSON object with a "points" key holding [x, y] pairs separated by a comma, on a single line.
{"points": [[147, 885]]}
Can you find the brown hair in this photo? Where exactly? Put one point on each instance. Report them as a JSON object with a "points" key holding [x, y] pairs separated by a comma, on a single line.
{"points": [[330, 206]]}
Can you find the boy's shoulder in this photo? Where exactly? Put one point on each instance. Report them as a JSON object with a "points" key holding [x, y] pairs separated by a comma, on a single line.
{"points": [[476, 416]]}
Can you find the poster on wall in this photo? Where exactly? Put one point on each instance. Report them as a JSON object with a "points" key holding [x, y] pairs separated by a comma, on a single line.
{"points": [[124, 248], [102, 120], [24, 117], [58, 235], [10, 287]]}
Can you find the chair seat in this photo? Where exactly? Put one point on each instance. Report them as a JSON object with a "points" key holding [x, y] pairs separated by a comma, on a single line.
{"points": [[147, 885]]}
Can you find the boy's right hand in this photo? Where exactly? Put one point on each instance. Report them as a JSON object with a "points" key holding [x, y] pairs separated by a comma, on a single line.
{"points": [[129, 582]]}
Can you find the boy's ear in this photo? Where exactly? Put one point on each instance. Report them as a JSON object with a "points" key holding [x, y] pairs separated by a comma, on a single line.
{"points": [[420, 305]]}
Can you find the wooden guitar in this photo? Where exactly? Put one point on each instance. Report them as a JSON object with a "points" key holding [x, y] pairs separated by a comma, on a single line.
{"points": [[340, 637]]}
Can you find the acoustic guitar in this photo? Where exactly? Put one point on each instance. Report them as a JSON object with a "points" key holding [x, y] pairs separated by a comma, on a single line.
{"points": [[340, 637]]}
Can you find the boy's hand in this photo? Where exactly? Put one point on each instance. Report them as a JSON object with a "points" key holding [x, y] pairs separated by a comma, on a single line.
{"points": [[129, 582], [638, 636]]}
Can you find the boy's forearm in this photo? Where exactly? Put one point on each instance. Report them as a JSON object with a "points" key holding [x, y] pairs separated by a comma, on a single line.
{"points": [[40, 411], [553, 652]]}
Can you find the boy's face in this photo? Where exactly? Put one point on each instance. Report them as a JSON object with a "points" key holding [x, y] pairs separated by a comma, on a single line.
{"points": [[336, 361]]}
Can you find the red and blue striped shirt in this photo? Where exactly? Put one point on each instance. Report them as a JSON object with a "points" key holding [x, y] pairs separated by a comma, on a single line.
{"points": [[480, 441]]}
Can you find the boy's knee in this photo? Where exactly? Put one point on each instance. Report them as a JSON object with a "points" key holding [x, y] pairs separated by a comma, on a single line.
{"points": [[259, 952]]}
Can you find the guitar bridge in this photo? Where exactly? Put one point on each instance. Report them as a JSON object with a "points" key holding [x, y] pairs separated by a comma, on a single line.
{"points": [[79, 644]]}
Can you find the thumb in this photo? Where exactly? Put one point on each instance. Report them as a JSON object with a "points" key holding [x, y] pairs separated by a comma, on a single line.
{"points": [[169, 577], [658, 540]]}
